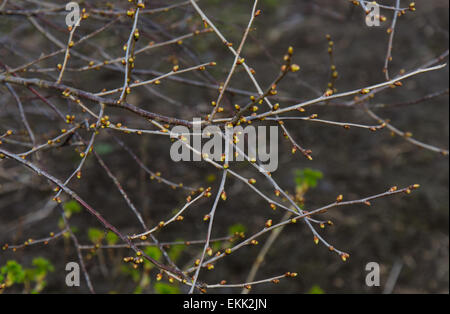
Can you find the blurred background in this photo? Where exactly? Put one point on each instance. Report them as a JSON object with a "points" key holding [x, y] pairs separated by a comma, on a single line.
{"points": [[406, 234]]}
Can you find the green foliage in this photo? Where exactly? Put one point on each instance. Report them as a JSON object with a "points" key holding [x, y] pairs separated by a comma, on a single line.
{"points": [[71, 207], [164, 288], [175, 251], [95, 235], [237, 228], [42, 266], [316, 290], [111, 238], [307, 177], [128, 270], [153, 252], [13, 273]]}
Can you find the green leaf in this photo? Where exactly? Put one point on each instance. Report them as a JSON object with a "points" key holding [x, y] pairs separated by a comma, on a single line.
{"points": [[316, 290], [153, 252], [111, 238], [42, 266], [13, 272], [95, 235], [163, 288], [308, 177], [176, 250], [61, 223], [71, 207]]}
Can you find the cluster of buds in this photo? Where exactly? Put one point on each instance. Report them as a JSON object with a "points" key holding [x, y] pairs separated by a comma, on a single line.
{"points": [[239, 235], [135, 260], [344, 256], [70, 119], [104, 121], [291, 275], [8, 133], [393, 189], [412, 187], [57, 200], [240, 61], [131, 12], [208, 192]]}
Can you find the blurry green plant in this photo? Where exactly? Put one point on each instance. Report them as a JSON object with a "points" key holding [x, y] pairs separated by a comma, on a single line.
{"points": [[153, 252], [111, 238], [316, 290], [104, 148], [71, 207], [236, 228], [307, 177], [175, 251], [13, 273], [95, 235], [164, 288]]}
